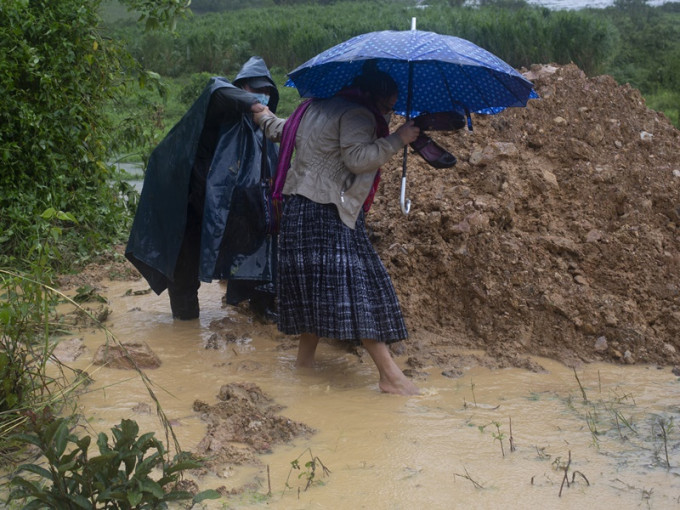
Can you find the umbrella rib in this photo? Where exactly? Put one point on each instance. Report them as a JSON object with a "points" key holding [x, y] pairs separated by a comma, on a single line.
{"points": [[448, 88]]}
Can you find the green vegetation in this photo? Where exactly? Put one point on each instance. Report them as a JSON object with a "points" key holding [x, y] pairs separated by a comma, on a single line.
{"points": [[307, 473], [62, 204], [28, 323], [56, 71], [648, 56], [621, 40], [119, 477], [221, 42]]}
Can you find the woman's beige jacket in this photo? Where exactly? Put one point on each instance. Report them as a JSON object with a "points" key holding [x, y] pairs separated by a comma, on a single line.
{"points": [[337, 154]]}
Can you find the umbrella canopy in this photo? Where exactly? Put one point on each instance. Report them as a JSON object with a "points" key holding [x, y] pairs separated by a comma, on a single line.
{"points": [[434, 72]]}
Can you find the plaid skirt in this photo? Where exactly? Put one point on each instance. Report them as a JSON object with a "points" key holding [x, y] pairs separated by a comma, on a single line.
{"points": [[331, 281]]}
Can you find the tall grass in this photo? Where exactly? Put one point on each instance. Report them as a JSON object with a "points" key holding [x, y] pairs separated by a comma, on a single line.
{"points": [[635, 43], [220, 42], [27, 323]]}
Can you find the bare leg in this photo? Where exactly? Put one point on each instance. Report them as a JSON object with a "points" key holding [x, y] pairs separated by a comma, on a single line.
{"points": [[306, 350], [392, 379]]}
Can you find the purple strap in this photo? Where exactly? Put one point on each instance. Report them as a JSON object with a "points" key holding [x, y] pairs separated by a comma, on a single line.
{"points": [[287, 145], [286, 148]]}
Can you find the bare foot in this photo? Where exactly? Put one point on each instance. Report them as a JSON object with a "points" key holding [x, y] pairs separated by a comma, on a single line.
{"points": [[306, 350], [398, 386], [304, 363], [392, 379]]}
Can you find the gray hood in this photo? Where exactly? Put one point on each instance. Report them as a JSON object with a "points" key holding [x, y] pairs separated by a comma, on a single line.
{"points": [[256, 68]]}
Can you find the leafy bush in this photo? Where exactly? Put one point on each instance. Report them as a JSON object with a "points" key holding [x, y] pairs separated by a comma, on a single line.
{"points": [[120, 477], [56, 71]]}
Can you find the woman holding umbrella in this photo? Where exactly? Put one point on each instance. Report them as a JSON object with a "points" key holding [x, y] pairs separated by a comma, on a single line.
{"points": [[331, 282]]}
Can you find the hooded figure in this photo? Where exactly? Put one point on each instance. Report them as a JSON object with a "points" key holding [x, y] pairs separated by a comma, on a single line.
{"points": [[200, 214]]}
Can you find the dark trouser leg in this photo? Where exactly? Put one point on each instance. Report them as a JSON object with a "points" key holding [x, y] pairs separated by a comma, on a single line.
{"points": [[261, 297], [183, 291], [263, 303]]}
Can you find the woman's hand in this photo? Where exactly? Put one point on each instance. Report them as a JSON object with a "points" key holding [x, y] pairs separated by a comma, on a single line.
{"points": [[260, 111], [408, 132]]}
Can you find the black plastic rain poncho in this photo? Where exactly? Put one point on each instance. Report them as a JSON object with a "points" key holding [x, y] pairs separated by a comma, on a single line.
{"points": [[233, 242]]}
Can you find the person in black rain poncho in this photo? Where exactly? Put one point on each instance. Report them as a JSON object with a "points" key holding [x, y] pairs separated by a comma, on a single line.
{"points": [[200, 213]]}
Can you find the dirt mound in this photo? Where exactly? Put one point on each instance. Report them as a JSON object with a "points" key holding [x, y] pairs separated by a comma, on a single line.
{"points": [[556, 234], [242, 424]]}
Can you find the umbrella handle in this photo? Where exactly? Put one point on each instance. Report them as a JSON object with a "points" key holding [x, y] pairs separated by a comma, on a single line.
{"points": [[405, 203]]}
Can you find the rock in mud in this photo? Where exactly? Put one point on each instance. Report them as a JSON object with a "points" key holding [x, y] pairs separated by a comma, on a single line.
{"points": [[69, 350], [127, 356]]}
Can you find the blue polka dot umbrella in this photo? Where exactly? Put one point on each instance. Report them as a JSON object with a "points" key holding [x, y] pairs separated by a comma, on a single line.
{"points": [[435, 73]]}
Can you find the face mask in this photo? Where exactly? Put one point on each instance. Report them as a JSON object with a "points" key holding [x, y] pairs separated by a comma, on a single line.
{"points": [[262, 98]]}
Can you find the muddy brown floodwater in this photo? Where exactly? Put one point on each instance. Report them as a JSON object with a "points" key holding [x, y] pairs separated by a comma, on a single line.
{"points": [[479, 438]]}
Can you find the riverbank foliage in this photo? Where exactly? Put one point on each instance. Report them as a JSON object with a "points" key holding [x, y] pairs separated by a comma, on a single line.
{"points": [[60, 199], [56, 71]]}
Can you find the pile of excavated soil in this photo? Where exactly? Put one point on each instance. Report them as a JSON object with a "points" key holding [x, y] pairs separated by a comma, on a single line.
{"points": [[557, 233]]}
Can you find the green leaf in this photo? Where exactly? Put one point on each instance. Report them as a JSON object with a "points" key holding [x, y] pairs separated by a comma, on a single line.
{"points": [[38, 470], [81, 501], [183, 465], [129, 428], [29, 438], [103, 442], [84, 443], [152, 487], [37, 504], [26, 488], [61, 437], [134, 498], [48, 213], [177, 496]]}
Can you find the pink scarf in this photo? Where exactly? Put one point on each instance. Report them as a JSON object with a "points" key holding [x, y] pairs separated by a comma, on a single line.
{"points": [[287, 145]]}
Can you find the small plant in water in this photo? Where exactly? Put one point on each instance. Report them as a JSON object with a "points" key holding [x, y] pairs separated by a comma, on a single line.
{"points": [[309, 472], [498, 436], [118, 478], [467, 476], [666, 427], [565, 478]]}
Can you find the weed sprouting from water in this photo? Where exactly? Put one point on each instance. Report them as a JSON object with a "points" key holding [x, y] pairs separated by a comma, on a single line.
{"points": [[583, 391], [498, 436], [474, 400], [565, 478], [591, 421], [617, 417], [666, 427], [512, 440], [467, 476], [309, 473]]}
